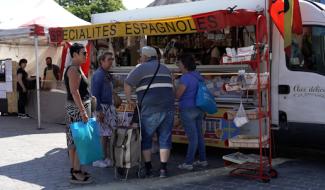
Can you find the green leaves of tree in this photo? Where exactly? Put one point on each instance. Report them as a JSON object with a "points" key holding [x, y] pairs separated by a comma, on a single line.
{"points": [[84, 8]]}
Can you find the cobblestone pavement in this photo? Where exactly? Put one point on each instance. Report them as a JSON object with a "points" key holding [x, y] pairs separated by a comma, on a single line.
{"points": [[37, 159]]}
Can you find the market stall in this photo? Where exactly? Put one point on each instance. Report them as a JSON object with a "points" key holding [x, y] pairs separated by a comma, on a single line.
{"points": [[237, 75], [232, 30]]}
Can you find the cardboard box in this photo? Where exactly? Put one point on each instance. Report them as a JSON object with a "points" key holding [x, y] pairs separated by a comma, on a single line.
{"points": [[12, 99], [14, 72]]}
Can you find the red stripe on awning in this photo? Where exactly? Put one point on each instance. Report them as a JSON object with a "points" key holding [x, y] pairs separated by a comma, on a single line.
{"points": [[224, 18]]}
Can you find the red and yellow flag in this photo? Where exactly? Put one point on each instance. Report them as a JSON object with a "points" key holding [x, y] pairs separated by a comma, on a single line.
{"points": [[287, 18], [277, 14]]}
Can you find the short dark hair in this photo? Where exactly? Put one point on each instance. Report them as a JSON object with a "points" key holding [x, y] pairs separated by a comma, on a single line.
{"points": [[50, 58], [188, 62], [22, 61], [75, 48], [103, 55]]}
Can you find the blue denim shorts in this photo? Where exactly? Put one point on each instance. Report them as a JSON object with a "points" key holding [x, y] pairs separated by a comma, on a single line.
{"points": [[162, 123]]}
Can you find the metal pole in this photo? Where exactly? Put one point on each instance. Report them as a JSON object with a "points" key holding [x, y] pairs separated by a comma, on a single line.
{"points": [[37, 83]]}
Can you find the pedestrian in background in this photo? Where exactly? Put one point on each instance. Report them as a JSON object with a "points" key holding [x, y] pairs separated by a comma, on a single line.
{"points": [[51, 75], [78, 107], [190, 115], [22, 88], [102, 89]]}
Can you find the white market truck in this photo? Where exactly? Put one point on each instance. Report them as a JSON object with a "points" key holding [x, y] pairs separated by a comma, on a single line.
{"points": [[298, 89]]}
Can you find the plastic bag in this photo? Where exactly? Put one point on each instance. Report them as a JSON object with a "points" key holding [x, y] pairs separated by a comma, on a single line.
{"points": [[241, 117], [241, 80], [205, 100], [87, 140]]}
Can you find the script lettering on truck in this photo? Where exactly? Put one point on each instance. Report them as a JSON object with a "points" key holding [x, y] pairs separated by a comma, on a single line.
{"points": [[307, 91]]}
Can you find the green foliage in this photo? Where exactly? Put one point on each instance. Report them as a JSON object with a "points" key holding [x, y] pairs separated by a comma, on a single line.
{"points": [[84, 8]]}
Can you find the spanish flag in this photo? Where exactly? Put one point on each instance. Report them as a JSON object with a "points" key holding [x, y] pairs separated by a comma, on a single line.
{"points": [[287, 18]]}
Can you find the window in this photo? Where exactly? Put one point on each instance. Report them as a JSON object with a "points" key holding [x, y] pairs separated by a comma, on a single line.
{"points": [[308, 51]]}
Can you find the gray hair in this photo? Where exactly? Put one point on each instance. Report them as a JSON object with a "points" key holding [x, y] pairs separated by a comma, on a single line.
{"points": [[101, 56]]}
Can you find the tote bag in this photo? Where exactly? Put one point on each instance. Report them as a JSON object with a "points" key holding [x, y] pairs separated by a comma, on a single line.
{"points": [[87, 140], [204, 99]]}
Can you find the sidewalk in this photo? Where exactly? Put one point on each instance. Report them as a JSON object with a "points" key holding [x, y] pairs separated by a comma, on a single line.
{"points": [[296, 175], [37, 159]]}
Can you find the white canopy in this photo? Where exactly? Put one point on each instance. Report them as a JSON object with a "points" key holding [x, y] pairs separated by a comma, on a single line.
{"points": [[176, 10], [18, 18]]}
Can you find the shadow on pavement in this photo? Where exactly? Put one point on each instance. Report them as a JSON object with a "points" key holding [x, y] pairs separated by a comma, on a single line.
{"points": [[13, 126], [52, 170], [49, 171]]}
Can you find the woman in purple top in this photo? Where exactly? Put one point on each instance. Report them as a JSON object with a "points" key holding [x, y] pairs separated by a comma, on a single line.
{"points": [[191, 116]]}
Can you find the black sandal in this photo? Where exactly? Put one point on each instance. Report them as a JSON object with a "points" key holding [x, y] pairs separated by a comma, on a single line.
{"points": [[74, 179], [84, 173]]}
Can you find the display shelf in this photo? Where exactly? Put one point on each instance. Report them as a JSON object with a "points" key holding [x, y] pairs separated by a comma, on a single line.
{"points": [[252, 114], [249, 143], [252, 63], [212, 69], [240, 158], [258, 129], [230, 88], [235, 100]]}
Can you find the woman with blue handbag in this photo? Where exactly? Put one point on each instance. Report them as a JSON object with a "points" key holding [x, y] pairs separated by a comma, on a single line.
{"points": [[78, 107], [191, 116]]}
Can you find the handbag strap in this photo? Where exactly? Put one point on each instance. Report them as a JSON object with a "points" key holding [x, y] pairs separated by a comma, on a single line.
{"points": [[145, 92], [124, 113]]}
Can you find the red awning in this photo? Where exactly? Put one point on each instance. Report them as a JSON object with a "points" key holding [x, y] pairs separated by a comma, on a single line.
{"points": [[224, 18]]}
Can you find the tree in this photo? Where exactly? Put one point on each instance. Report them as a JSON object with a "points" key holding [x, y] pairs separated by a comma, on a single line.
{"points": [[84, 8]]}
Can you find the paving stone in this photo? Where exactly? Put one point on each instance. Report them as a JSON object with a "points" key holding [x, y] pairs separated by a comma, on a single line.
{"points": [[37, 159]]}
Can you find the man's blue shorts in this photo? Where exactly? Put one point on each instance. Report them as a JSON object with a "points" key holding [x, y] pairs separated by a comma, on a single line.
{"points": [[162, 122]]}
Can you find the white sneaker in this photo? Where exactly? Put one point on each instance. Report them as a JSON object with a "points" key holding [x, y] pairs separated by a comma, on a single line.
{"points": [[100, 164], [201, 163], [109, 162], [185, 166], [23, 116]]}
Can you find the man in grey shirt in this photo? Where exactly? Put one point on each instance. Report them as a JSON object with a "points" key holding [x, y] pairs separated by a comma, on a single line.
{"points": [[157, 108]]}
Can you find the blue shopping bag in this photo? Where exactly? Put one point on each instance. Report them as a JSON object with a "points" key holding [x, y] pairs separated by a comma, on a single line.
{"points": [[205, 100], [87, 140]]}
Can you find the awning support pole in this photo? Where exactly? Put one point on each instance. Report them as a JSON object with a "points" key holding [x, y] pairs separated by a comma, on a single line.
{"points": [[37, 83]]}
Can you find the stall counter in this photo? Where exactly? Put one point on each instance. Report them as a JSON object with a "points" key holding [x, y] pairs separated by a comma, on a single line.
{"points": [[52, 106]]}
